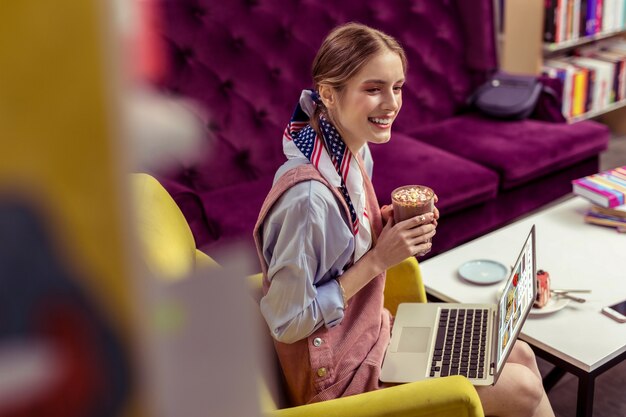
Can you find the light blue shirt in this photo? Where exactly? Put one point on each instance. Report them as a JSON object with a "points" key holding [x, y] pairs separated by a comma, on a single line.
{"points": [[307, 243]]}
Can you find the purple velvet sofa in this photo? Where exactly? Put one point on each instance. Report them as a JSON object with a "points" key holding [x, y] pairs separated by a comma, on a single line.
{"points": [[246, 61]]}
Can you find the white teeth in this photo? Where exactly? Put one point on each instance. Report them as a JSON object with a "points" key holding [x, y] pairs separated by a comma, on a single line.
{"points": [[381, 121]]}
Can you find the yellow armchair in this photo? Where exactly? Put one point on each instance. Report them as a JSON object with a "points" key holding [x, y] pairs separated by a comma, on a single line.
{"points": [[168, 250]]}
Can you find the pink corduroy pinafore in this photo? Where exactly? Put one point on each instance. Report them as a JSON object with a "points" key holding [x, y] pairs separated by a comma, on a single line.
{"points": [[346, 359]]}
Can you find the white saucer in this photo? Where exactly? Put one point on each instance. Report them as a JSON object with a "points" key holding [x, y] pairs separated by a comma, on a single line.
{"points": [[483, 271], [555, 304]]}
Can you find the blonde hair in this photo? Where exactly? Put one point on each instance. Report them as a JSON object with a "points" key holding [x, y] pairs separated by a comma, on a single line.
{"points": [[346, 50]]}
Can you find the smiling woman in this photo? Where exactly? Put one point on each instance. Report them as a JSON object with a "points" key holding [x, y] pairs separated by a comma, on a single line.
{"points": [[317, 226], [325, 244]]}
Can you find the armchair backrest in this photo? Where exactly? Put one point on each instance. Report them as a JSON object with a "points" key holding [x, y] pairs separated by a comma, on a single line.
{"points": [[168, 251]]}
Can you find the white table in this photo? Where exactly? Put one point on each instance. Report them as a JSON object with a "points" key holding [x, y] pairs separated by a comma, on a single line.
{"points": [[578, 338]]}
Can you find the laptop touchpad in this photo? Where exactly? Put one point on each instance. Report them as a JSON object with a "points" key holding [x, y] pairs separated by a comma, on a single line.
{"points": [[414, 339]]}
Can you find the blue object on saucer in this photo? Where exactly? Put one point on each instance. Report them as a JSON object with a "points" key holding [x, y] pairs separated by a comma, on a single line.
{"points": [[483, 271]]}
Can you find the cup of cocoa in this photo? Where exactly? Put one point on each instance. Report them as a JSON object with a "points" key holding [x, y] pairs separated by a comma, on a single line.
{"points": [[411, 200]]}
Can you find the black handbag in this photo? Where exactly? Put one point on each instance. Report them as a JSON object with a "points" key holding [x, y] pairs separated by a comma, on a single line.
{"points": [[507, 96]]}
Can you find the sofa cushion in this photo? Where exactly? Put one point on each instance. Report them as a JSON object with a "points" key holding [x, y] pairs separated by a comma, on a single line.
{"points": [[458, 182], [519, 151]]}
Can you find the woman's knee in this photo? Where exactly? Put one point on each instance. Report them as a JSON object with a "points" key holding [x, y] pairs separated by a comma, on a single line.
{"points": [[518, 393], [523, 354]]}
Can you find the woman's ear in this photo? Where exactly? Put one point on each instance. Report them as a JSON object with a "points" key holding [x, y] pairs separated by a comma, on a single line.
{"points": [[327, 95]]}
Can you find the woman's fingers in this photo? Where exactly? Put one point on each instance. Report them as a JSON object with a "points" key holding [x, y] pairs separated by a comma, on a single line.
{"points": [[424, 249], [426, 236], [410, 237], [387, 213], [416, 221]]}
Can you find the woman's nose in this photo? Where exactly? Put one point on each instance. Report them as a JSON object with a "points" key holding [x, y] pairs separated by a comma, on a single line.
{"points": [[392, 101]]}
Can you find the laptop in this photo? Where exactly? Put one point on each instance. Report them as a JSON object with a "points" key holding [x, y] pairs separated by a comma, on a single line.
{"points": [[431, 340]]}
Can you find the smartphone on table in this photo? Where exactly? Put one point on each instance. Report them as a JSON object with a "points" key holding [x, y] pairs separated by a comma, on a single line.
{"points": [[616, 311]]}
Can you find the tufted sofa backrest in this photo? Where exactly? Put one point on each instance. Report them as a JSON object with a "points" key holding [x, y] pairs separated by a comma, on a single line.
{"points": [[246, 61]]}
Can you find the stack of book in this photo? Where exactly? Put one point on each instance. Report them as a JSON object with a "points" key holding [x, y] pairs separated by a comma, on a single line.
{"points": [[607, 191], [611, 217]]}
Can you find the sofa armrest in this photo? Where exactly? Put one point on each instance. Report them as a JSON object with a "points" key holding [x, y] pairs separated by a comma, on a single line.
{"points": [[449, 396], [404, 285], [550, 103]]}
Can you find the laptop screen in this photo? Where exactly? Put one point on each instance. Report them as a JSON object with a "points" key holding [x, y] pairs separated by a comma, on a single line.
{"points": [[516, 299]]}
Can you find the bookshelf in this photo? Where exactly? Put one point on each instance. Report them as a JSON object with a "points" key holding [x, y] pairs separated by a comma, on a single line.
{"points": [[560, 47], [523, 50]]}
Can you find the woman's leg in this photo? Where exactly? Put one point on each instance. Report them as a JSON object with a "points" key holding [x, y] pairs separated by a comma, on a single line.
{"points": [[519, 390], [524, 355]]}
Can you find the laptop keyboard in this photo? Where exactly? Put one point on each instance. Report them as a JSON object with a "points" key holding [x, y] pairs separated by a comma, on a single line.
{"points": [[460, 345]]}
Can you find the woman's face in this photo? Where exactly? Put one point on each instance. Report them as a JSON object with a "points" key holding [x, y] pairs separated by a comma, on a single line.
{"points": [[370, 102]]}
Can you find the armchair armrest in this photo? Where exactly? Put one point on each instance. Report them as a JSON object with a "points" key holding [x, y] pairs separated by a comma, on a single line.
{"points": [[404, 285], [204, 261], [449, 396]]}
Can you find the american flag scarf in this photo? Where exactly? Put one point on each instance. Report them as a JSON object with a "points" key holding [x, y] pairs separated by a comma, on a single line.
{"points": [[332, 158]]}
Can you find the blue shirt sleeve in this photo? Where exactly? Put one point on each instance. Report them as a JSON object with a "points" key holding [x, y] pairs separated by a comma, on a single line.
{"points": [[306, 244]]}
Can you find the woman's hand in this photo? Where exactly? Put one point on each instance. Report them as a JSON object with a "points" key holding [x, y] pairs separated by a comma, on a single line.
{"points": [[395, 243], [407, 238]]}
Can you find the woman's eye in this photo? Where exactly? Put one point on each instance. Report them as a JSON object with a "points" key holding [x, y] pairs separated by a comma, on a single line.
{"points": [[373, 90], [397, 89]]}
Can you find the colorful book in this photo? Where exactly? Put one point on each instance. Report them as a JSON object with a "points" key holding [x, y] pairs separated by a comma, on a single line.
{"points": [[579, 91], [602, 91], [569, 15], [591, 24], [599, 15], [619, 211], [549, 25], [561, 9], [619, 72], [608, 16], [575, 34], [606, 189], [594, 218], [582, 26]]}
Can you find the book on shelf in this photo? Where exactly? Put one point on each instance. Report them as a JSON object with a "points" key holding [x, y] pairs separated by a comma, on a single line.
{"points": [[608, 13], [606, 188], [593, 78], [576, 20], [570, 20], [583, 80], [601, 92], [619, 71], [549, 25]]}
